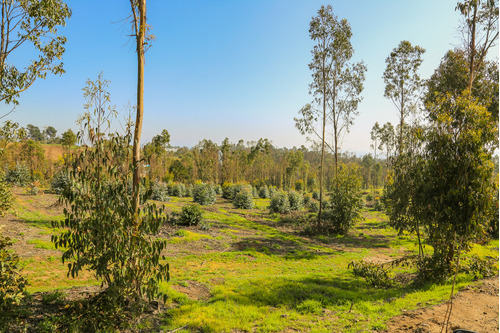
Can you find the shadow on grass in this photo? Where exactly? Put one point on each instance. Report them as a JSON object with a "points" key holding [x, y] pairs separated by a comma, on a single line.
{"points": [[288, 248], [334, 291]]}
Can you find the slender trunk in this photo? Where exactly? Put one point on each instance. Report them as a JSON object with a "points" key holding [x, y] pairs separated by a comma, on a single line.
{"points": [[322, 149], [140, 25], [472, 50]]}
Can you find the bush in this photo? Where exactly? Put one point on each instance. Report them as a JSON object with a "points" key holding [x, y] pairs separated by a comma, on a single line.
{"points": [[279, 203], [227, 191], [369, 197], [159, 192], [178, 190], [243, 199], [60, 182], [312, 206], [255, 193], [218, 190], [299, 185], [376, 275], [295, 200], [189, 191], [345, 201], [315, 195], [19, 175], [272, 191], [378, 205], [204, 194], [264, 192], [12, 284], [190, 215]]}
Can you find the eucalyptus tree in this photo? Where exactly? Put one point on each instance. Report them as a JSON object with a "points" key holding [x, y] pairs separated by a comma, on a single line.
{"points": [[402, 82], [479, 32], [336, 85], [375, 135], [35, 23]]}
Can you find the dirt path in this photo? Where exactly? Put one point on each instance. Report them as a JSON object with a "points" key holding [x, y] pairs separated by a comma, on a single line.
{"points": [[475, 308]]}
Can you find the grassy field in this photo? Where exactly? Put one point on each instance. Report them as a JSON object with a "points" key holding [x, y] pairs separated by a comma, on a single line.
{"points": [[248, 270]]}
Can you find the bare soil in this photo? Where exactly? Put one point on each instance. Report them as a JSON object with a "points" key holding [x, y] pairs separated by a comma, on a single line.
{"points": [[475, 308]]}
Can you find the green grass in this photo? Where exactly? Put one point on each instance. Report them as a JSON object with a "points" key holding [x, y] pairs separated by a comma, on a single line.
{"points": [[262, 278]]}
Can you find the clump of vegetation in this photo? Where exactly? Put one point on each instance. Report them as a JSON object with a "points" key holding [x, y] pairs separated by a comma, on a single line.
{"points": [[480, 268], [345, 201], [189, 215], [375, 274], [105, 229], [12, 284], [19, 175], [295, 200], [178, 190], [279, 203], [160, 192], [264, 192], [243, 199], [204, 194], [312, 206], [60, 181]]}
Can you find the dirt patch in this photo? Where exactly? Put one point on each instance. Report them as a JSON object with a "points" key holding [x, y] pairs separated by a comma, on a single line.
{"points": [[194, 290], [52, 153], [475, 308]]}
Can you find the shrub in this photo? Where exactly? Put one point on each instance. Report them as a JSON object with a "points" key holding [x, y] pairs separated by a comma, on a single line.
{"points": [[159, 192], [369, 197], [178, 190], [375, 274], [218, 190], [345, 201], [299, 185], [279, 203], [272, 190], [295, 200], [6, 197], [60, 182], [190, 215], [312, 206], [12, 284], [306, 198], [378, 205], [255, 193], [243, 199], [264, 192], [227, 191], [204, 194], [19, 175], [189, 191], [315, 195]]}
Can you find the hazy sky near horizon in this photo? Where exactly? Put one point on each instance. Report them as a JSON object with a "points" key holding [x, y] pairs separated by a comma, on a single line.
{"points": [[236, 69]]}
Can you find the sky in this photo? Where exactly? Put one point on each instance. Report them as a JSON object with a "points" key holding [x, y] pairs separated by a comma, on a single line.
{"points": [[236, 69]]}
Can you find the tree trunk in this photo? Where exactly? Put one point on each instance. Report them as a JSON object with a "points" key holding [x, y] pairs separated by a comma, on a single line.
{"points": [[140, 29], [472, 49]]}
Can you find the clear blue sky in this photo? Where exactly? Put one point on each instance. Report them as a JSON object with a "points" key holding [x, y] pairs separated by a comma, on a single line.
{"points": [[236, 69]]}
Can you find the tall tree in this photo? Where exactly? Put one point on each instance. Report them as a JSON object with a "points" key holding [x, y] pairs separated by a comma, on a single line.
{"points": [[336, 85], [34, 22], [402, 82], [142, 39], [375, 135], [480, 32]]}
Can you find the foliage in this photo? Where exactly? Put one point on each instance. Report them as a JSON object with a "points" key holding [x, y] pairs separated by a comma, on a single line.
{"points": [[243, 199], [68, 138], [12, 284], [480, 268], [102, 231], [178, 190], [458, 193], [279, 203], [30, 22], [345, 201], [60, 180], [204, 194], [160, 192], [6, 197], [190, 215], [295, 200], [375, 274], [402, 81], [19, 175], [264, 192], [312, 206]]}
